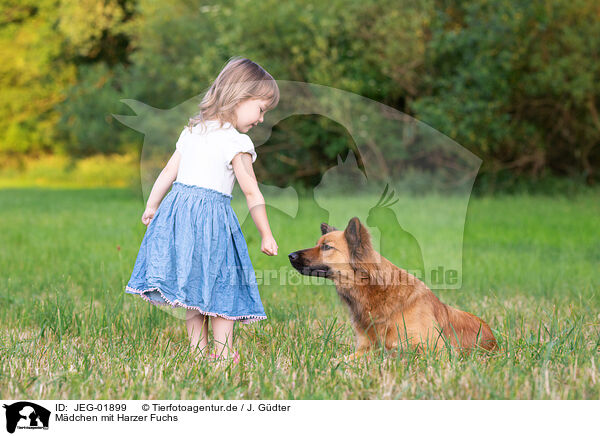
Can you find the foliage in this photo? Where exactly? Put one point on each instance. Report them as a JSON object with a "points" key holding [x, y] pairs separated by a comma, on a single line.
{"points": [[61, 171], [514, 82], [517, 83], [44, 42], [33, 75]]}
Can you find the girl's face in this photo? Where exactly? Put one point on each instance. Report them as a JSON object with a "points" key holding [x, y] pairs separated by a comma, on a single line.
{"points": [[249, 113]]}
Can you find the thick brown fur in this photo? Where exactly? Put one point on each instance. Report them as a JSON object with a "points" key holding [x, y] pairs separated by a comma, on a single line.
{"points": [[388, 306]]}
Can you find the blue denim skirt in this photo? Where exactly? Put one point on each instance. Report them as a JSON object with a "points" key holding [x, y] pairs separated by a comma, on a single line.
{"points": [[194, 255]]}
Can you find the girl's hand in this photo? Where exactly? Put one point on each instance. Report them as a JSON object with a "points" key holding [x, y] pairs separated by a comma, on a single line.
{"points": [[269, 246], [148, 215]]}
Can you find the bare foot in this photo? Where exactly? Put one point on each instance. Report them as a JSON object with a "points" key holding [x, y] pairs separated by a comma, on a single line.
{"points": [[232, 357]]}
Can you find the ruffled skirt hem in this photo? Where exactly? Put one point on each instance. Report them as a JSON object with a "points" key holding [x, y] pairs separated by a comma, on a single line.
{"points": [[244, 319]]}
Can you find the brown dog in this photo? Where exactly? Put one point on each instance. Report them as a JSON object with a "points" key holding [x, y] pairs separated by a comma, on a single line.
{"points": [[388, 306]]}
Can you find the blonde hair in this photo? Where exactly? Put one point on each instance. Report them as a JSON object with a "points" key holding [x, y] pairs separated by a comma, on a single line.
{"points": [[239, 80]]}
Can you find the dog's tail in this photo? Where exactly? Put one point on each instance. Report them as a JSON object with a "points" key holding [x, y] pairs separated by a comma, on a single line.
{"points": [[469, 331]]}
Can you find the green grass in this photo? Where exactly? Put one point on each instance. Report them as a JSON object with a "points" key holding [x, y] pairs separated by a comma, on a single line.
{"points": [[530, 269]]}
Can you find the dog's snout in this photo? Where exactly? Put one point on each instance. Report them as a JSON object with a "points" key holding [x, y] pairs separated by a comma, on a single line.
{"points": [[293, 256]]}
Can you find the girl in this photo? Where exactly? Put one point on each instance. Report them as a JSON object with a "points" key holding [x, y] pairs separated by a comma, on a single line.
{"points": [[193, 254]]}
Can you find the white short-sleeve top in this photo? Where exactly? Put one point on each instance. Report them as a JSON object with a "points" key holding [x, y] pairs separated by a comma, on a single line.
{"points": [[206, 155]]}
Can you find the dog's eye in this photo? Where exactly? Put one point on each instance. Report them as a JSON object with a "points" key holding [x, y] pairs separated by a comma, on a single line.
{"points": [[326, 247]]}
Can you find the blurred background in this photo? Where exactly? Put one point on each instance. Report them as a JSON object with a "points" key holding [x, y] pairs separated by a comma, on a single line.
{"points": [[515, 82]]}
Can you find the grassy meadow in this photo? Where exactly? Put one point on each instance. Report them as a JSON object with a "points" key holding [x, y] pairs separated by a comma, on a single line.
{"points": [[530, 269]]}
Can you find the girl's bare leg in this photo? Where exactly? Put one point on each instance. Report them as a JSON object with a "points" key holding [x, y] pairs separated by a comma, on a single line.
{"points": [[197, 328], [223, 336]]}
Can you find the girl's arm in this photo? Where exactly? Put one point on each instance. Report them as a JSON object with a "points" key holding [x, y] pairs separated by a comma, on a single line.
{"points": [[162, 185], [242, 167]]}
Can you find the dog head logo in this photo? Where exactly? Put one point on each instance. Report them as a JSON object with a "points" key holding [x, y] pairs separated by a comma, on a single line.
{"points": [[27, 415]]}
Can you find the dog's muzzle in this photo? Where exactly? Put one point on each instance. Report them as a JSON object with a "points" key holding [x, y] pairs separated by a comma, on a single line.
{"points": [[298, 262]]}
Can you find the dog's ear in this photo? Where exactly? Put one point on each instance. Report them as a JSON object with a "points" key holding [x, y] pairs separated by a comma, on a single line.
{"points": [[358, 238], [326, 228]]}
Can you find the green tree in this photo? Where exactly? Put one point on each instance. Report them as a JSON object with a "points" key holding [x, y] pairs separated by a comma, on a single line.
{"points": [[373, 48], [44, 42], [33, 75], [517, 83]]}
